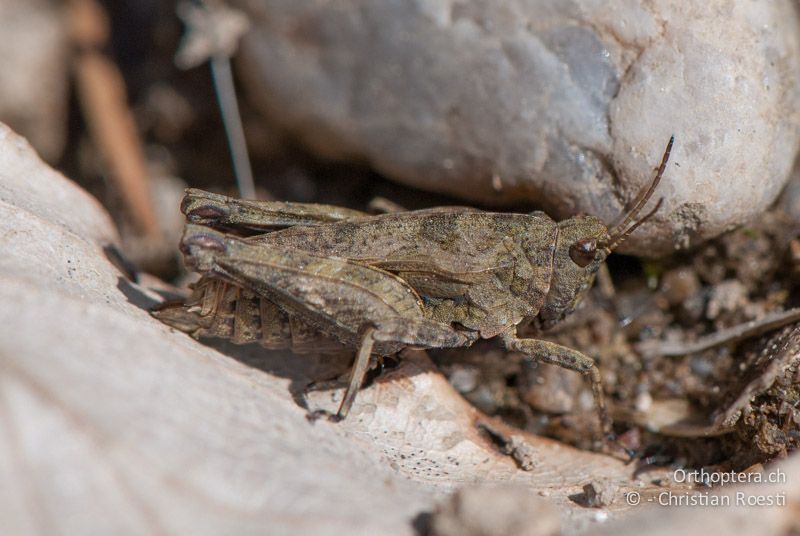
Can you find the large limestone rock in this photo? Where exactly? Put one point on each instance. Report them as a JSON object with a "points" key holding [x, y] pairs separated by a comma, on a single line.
{"points": [[564, 104]]}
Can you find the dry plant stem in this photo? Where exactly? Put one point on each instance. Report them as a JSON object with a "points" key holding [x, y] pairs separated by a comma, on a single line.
{"points": [[102, 95], [732, 335], [229, 107]]}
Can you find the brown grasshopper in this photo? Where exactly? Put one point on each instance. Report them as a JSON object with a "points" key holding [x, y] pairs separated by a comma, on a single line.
{"points": [[315, 277]]}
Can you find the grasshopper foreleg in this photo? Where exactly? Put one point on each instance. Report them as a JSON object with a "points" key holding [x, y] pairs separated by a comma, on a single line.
{"points": [[550, 352]]}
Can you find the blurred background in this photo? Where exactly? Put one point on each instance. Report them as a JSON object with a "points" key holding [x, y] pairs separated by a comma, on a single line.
{"points": [[96, 87]]}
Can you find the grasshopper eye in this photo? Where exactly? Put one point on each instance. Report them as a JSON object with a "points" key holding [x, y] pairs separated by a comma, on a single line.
{"points": [[583, 252]]}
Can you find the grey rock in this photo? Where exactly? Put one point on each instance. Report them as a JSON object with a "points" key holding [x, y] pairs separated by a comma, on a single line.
{"points": [[566, 105]]}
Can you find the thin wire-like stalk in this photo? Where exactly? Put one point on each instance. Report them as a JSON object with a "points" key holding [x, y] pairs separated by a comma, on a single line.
{"points": [[232, 120]]}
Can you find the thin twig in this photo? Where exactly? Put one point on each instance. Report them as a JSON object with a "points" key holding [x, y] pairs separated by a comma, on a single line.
{"points": [[226, 95], [733, 335], [213, 30], [102, 94]]}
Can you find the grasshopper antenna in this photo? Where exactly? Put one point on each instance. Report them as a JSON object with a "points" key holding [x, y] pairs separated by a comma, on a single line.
{"points": [[620, 230], [617, 240]]}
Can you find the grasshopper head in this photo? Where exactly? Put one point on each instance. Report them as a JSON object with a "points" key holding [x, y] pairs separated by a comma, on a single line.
{"points": [[579, 253], [584, 242]]}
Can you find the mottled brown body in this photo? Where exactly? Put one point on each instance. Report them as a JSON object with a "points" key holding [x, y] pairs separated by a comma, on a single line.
{"points": [[220, 309], [318, 277], [501, 281]]}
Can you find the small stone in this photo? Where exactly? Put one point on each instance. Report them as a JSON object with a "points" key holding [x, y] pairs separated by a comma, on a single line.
{"points": [[600, 494], [523, 453], [680, 285], [553, 389], [728, 296], [464, 379], [644, 401]]}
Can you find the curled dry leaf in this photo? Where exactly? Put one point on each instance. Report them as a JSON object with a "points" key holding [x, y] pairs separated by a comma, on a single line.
{"points": [[112, 422]]}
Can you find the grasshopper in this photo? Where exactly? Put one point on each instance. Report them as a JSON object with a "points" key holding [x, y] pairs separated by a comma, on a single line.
{"points": [[315, 277]]}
